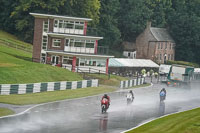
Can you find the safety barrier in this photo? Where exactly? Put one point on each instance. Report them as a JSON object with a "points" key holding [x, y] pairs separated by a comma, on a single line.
{"points": [[7, 89], [131, 83]]}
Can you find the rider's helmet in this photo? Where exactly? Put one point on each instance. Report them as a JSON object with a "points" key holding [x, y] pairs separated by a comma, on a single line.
{"points": [[105, 95], [130, 91]]}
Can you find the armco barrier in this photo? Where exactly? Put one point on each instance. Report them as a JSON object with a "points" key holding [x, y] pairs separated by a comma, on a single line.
{"points": [[7, 89], [131, 83]]}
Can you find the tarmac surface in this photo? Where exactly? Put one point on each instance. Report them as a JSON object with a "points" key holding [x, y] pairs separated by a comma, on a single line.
{"points": [[84, 115]]}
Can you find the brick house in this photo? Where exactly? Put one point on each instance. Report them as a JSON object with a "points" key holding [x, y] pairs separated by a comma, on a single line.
{"points": [[155, 44], [62, 41]]}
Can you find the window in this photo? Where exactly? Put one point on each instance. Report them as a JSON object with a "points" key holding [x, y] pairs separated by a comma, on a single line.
{"points": [[171, 45], [79, 25], [60, 23], [66, 42], [43, 58], [69, 26], [172, 57], [44, 42], [168, 56], [161, 45], [166, 45], [160, 56], [129, 54], [67, 60], [71, 44], [45, 26], [56, 23], [56, 42], [158, 45]]}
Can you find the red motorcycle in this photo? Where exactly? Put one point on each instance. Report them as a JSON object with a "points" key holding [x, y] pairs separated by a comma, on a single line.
{"points": [[104, 105]]}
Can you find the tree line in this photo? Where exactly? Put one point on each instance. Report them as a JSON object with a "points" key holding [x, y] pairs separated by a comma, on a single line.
{"points": [[115, 20]]}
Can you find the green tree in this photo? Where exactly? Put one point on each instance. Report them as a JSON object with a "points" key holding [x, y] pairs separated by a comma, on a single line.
{"points": [[24, 21], [184, 23], [108, 23], [133, 17]]}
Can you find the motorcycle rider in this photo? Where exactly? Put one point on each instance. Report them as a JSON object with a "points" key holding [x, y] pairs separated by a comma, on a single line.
{"points": [[107, 97], [163, 93], [131, 92]]}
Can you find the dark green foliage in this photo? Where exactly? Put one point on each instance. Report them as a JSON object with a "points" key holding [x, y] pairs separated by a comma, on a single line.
{"points": [[182, 63], [108, 23], [133, 17], [115, 20]]}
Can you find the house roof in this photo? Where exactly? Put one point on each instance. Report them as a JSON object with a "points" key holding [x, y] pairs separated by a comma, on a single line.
{"points": [[161, 34], [77, 36], [39, 15], [124, 62]]}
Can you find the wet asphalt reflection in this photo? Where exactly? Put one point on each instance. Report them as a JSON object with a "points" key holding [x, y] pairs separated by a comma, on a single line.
{"points": [[84, 115]]}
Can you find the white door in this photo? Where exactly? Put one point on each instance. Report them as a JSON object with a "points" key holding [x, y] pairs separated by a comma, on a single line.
{"points": [[55, 59]]}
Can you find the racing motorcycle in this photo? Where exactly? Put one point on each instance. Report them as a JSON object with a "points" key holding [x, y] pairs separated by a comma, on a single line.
{"points": [[129, 98], [104, 105], [162, 96]]}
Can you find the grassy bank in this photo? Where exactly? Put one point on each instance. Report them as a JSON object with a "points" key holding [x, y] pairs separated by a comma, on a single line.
{"points": [[16, 67], [5, 111], [185, 122], [44, 97], [114, 80]]}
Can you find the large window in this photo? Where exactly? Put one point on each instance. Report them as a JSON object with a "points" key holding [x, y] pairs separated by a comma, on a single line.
{"points": [[45, 26], [68, 24], [92, 62], [44, 42], [56, 42], [67, 60], [81, 43], [89, 44]]}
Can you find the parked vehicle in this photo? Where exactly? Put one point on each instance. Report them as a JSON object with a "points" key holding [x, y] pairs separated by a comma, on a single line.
{"points": [[180, 75]]}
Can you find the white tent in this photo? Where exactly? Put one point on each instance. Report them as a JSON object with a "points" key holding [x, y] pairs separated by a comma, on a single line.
{"points": [[124, 62]]}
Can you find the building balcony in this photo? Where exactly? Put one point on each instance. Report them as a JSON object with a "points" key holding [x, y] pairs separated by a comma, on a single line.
{"points": [[100, 50]]}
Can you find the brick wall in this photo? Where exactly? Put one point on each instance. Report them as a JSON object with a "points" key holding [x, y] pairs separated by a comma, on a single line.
{"points": [[142, 42], [51, 23], [37, 41], [50, 44]]}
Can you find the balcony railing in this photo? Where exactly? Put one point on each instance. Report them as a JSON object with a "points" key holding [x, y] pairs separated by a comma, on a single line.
{"points": [[101, 50]]}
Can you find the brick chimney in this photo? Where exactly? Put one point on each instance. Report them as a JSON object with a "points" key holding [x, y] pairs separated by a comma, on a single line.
{"points": [[148, 25]]}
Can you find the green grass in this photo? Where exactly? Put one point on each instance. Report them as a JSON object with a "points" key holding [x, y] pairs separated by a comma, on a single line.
{"points": [[103, 79], [8, 38], [43, 97], [16, 67], [5, 111], [185, 122]]}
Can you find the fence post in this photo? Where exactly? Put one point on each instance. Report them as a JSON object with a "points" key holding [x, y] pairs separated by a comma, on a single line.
{"points": [[99, 72], [89, 69]]}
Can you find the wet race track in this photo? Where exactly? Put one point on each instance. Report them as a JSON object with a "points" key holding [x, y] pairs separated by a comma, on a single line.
{"points": [[84, 115]]}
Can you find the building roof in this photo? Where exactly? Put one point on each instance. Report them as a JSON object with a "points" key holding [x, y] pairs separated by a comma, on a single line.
{"points": [[161, 34], [124, 62], [77, 36], [39, 15]]}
